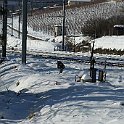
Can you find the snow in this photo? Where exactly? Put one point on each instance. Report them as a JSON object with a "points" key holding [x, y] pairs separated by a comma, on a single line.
{"points": [[110, 42], [36, 93], [118, 26]]}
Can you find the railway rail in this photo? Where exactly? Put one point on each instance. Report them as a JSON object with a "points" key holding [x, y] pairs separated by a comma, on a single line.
{"points": [[81, 59]]}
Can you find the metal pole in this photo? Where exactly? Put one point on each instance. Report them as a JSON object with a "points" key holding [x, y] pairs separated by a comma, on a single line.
{"points": [[4, 29], [91, 58], [31, 7], [12, 25], [24, 30], [63, 26], [19, 25], [19, 19], [92, 62], [74, 32]]}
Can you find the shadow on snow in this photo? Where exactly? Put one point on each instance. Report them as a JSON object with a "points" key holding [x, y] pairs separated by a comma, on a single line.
{"points": [[18, 106]]}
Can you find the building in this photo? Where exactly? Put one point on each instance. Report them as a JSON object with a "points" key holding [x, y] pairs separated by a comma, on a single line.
{"points": [[58, 30]]}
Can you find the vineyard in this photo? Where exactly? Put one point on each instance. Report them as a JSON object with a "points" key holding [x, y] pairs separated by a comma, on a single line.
{"points": [[76, 17]]}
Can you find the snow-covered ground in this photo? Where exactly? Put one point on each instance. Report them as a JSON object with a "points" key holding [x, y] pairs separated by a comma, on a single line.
{"points": [[36, 93], [110, 42]]}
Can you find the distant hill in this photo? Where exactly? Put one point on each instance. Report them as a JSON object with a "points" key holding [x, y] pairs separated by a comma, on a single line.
{"points": [[76, 17]]}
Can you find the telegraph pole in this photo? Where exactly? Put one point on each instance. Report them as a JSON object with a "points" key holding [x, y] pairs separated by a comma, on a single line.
{"points": [[19, 24], [19, 13], [4, 37], [63, 27], [12, 26], [24, 31]]}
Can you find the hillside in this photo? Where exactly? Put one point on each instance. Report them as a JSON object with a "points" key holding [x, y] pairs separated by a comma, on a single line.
{"points": [[76, 17]]}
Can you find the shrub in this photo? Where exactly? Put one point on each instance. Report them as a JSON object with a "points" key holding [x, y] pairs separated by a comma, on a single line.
{"points": [[31, 115], [100, 27], [83, 46], [109, 51]]}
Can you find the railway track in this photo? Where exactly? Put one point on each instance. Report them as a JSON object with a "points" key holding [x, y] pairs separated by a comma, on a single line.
{"points": [[110, 61], [77, 58]]}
